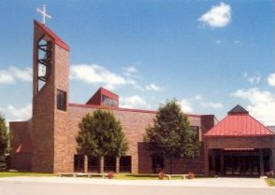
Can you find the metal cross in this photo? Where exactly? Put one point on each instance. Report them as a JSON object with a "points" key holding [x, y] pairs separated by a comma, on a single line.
{"points": [[43, 13]]}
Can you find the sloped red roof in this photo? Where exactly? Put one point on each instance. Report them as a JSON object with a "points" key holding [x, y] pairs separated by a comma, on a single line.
{"points": [[238, 123], [96, 98], [51, 34]]}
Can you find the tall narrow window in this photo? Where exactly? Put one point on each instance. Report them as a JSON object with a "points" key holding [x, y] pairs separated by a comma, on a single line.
{"points": [[44, 58], [61, 100], [196, 132]]}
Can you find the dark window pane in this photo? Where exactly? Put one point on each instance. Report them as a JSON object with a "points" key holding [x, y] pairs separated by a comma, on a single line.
{"points": [[93, 164], [61, 100], [195, 131], [125, 164], [78, 163], [106, 101]]}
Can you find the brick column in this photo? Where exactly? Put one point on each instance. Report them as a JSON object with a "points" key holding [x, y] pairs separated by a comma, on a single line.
{"points": [[206, 160], [85, 163], [222, 162], [272, 159], [213, 156], [101, 164], [261, 162], [117, 164]]}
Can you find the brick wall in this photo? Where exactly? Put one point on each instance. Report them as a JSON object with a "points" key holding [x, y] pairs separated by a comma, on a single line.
{"points": [[134, 125], [20, 132], [241, 142], [61, 118], [43, 114]]}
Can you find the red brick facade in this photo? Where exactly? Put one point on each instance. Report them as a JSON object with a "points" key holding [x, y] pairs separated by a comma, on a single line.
{"points": [[49, 138]]}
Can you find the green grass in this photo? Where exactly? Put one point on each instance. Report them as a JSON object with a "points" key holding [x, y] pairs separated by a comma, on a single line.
{"points": [[30, 174], [120, 176], [126, 176], [270, 182]]}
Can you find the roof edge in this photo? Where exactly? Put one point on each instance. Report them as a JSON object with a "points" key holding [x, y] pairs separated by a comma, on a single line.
{"points": [[121, 109], [58, 41]]}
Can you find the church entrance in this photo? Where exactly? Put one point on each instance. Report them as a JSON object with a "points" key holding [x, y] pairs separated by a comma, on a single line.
{"points": [[239, 162], [241, 165]]}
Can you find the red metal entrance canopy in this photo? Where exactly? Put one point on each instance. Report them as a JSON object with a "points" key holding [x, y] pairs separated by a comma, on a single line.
{"points": [[238, 123]]}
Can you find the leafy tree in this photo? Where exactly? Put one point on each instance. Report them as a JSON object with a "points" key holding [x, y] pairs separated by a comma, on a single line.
{"points": [[170, 136], [3, 143], [101, 135]]}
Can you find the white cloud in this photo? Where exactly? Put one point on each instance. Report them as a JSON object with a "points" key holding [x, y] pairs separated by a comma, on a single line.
{"points": [[271, 80], [211, 105], [134, 101], [218, 16], [94, 74], [197, 97], [5, 78], [12, 74], [252, 79], [236, 42], [131, 70], [261, 104], [186, 106], [152, 87], [13, 113], [218, 42]]}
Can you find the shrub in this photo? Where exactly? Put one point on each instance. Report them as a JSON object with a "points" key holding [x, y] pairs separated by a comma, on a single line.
{"points": [[270, 174], [191, 175], [3, 163], [161, 175], [111, 175]]}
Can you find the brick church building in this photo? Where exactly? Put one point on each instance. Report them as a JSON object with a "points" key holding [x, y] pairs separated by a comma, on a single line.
{"points": [[238, 145]]}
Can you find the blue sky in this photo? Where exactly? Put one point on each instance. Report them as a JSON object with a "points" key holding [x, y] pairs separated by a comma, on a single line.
{"points": [[210, 55]]}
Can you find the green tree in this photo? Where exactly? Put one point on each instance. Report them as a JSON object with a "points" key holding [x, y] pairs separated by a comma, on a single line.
{"points": [[3, 143], [101, 135], [171, 136]]}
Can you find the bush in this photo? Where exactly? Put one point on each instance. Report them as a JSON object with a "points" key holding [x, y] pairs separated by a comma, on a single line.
{"points": [[270, 174], [161, 175], [111, 175], [191, 175], [3, 163]]}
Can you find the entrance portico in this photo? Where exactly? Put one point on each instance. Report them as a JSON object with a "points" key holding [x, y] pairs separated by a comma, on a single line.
{"points": [[239, 145], [240, 162]]}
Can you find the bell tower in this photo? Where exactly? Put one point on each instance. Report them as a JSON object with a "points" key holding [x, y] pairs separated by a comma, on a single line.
{"points": [[50, 100]]}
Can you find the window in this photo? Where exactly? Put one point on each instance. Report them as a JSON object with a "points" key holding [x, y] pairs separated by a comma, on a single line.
{"points": [[157, 163], [107, 101], [196, 132], [109, 163], [125, 164], [44, 59], [78, 163], [93, 164], [61, 100]]}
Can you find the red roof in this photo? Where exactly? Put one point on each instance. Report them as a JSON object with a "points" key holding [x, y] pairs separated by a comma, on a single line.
{"points": [[238, 123], [96, 99], [58, 41]]}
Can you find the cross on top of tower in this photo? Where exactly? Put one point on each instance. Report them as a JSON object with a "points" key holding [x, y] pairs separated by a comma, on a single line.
{"points": [[43, 13]]}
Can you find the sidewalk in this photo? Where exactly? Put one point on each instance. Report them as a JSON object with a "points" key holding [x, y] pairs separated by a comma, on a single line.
{"points": [[200, 182]]}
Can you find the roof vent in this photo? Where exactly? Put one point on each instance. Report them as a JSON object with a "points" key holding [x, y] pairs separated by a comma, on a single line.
{"points": [[238, 110]]}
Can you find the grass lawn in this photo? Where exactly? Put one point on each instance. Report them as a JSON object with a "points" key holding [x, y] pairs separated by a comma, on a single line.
{"points": [[128, 176], [135, 177], [270, 182], [120, 176], [31, 174]]}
